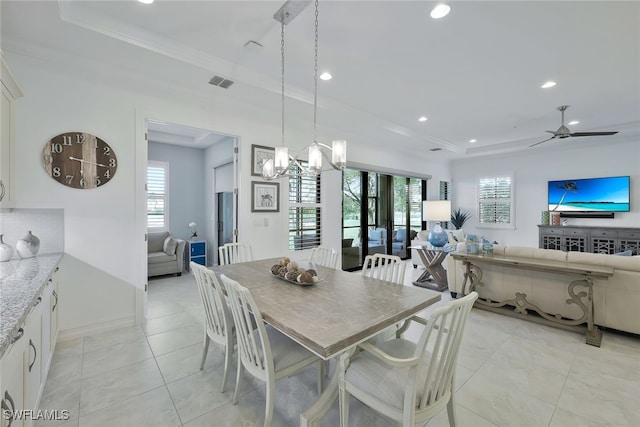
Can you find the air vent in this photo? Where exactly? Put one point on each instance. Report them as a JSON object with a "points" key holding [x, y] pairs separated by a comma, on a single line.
{"points": [[220, 82], [435, 149]]}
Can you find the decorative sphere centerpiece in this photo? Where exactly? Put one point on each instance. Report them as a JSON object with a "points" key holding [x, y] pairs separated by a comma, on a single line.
{"points": [[28, 246]]}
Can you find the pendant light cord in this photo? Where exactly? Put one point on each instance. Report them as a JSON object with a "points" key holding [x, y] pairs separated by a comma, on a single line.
{"points": [[282, 81], [315, 80]]}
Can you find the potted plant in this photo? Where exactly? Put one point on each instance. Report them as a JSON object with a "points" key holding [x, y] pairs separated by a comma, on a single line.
{"points": [[459, 217]]}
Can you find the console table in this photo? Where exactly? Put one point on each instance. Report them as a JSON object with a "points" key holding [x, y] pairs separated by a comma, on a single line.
{"points": [[599, 240], [435, 276], [520, 305]]}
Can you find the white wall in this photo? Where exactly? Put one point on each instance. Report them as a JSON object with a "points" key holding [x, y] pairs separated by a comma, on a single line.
{"points": [[566, 159]]}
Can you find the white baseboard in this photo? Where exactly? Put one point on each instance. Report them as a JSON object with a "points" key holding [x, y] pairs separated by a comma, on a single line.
{"points": [[96, 328]]}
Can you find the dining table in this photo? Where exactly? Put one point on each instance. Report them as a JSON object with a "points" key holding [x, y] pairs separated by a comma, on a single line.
{"points": [[329, 317]]}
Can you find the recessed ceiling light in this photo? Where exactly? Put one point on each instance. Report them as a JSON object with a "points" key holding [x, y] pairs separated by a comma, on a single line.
{"points": [[548, 84], [574, 122], [325, 76], [146, 1], [473, 140], [440, 11], [422, 119]]}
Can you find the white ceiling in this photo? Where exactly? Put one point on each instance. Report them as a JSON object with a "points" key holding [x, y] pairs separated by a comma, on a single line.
{"points": [[474, 74]]}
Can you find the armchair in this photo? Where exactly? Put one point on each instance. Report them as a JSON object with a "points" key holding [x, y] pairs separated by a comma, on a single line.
{"points": [[398, 242], [165, 254]]}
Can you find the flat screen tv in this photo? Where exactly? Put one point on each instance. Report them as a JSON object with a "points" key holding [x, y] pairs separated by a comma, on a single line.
{"points": [[608, 194]]}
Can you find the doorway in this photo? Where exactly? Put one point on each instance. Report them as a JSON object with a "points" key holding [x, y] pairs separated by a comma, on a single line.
{"points": [[225, 217], [382, 213]]}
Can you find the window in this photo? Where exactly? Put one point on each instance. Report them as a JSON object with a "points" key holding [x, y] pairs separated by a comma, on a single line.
{"points": [[158, 195], [495, 201], [304, 211]]}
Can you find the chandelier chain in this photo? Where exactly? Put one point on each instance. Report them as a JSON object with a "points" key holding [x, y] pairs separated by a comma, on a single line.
{"points": [[315, 78], [282, 81]]}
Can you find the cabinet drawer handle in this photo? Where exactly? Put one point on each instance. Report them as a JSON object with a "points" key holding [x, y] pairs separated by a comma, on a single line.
{"points": [[35, 355], [2, 192], [56, 303], [38, 301], [5, 407], [18, 335]]}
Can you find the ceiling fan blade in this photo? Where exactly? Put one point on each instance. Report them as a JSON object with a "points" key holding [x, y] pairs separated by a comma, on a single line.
{"points": [[538, 143], [593, 133], [553, 132]]}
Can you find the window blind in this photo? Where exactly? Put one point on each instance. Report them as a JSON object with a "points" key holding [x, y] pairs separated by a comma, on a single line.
{"points": [[495, 200], [304, 211], [157, 195]]}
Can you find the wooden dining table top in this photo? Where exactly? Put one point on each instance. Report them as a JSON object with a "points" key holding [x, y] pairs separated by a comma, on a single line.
{"points": [[332, 315]]}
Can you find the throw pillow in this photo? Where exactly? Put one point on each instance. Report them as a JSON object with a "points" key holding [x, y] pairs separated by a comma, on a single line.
{"points": [[347, 243], [375, 236], [400, 235], [169, 246], [625, 253]]}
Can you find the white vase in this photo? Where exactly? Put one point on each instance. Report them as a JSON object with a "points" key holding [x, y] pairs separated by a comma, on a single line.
{"points": [[6, 251], [28, 246]]}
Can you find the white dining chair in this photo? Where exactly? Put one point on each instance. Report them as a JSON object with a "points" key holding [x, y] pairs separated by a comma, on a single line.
{"points": [[390, 268], [405, 381], [217, 317], [233, 253], [324, 256], [264, 352], [384, 267]]}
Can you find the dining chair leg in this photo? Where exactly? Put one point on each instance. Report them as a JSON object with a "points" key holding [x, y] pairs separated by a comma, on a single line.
{"points": [[268, 412], [227, 366], [451, 410], [321, 366], [344, 406], [238, 381], [204, 350]]}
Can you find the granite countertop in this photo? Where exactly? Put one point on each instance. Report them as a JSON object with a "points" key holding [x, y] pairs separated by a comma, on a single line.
{"points": [[21, 281]]}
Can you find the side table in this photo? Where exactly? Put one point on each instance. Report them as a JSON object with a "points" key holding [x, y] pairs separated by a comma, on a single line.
{"points": [[197, 252], [435, 276]]}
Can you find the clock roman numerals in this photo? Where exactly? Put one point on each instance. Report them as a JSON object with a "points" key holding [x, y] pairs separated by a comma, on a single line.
{"points": [[79, 160]]}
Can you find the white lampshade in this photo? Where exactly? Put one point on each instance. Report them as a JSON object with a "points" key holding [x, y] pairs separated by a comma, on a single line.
{"points": [[281, 159], [315, 158], [339, 153], [436, 210]]}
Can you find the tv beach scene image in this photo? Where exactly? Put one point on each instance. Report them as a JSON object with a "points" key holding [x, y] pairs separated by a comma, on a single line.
{"points": [[609, 194]]}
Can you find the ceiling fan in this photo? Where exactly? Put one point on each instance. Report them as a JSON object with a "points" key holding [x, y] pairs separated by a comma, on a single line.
{"points": [[564, 132]]}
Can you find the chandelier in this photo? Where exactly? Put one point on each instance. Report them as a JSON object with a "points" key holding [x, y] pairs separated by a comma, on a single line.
{"points": [[281, 164]]}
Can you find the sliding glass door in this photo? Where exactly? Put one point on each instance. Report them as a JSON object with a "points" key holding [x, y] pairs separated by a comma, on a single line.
{"points": [[381, 214]]}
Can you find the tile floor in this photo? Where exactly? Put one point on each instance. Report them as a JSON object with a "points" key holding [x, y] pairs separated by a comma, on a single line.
{"points": [[510, 373]]}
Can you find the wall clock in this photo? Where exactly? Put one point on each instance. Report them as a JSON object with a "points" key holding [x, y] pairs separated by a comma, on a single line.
{"points": [[79, 160]]}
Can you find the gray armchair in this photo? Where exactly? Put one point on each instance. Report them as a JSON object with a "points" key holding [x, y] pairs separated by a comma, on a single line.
{"points": [[165, 254]]}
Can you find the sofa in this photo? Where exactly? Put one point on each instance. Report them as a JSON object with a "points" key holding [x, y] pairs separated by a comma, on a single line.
{"points": [[616, 300], [165, 254]]}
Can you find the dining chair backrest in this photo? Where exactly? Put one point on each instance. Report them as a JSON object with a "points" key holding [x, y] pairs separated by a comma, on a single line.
{"points": [[439, 343], [253, 348], [233, 253], [217, 315], [384, 267], [324, 256]]}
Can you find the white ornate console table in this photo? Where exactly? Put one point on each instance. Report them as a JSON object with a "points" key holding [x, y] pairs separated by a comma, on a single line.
{"points": [[520, 304]]}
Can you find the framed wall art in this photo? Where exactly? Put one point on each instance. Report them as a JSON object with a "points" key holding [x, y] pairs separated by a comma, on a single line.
{"points": [[265, 196], [259, 155]]}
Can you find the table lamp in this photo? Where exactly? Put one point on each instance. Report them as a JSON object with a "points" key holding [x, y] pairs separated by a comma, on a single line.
{"points": [[437, 210]]}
